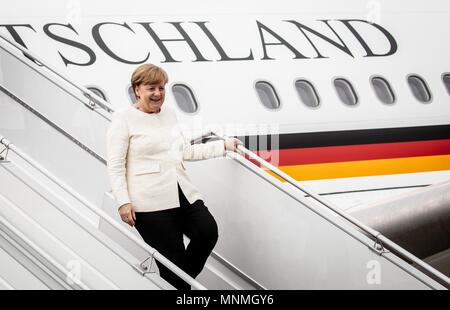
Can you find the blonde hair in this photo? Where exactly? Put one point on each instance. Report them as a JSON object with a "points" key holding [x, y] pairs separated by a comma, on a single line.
{"points": [[148, 74]]}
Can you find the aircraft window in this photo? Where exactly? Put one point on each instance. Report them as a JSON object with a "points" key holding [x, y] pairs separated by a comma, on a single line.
{"points": [[267, 95], [345, 91], [185, 98], [98, 92], [307, 93], [131, 94], [419, 88], [446, 79], [383, 90]]}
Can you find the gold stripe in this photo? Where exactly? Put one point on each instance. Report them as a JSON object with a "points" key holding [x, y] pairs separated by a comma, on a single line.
{"points": [[367, 167]]}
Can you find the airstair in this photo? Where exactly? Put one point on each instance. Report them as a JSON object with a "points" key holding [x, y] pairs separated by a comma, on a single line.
{"points": [[60, 228]]}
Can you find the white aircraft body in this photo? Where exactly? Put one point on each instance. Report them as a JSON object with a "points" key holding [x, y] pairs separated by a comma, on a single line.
{"points": [[348, 98]]}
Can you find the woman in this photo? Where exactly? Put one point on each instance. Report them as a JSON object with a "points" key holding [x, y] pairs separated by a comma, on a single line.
{"points": [[145, 153]]}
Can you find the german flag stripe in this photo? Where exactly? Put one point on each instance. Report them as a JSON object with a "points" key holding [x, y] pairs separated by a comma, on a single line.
{"points": [[356, 153], [329, 154], [347, 137], [368, 167]]}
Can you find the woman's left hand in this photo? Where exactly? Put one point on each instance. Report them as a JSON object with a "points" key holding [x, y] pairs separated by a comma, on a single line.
{"points": [[231, 144]]}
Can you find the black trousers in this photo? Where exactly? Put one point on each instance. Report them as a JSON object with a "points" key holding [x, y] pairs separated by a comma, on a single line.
{"points": [[163, 230]]}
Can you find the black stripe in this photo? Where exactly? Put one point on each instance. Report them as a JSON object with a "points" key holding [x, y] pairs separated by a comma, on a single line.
{"points": [[349, 137]]}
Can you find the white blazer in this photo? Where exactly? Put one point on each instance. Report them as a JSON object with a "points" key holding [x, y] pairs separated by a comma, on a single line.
{"points": [[145, 154]]}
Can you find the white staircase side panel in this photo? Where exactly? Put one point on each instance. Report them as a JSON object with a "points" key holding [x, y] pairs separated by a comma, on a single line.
{"points": [[282, 244], [14, 275], [100, 267]]}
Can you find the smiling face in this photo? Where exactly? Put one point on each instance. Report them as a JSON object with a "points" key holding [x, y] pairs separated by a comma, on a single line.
{"points": [[150, 96], [148, 82]]}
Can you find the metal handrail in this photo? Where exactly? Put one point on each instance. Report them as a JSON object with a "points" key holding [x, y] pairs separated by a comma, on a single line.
{"points": [[381, 240], [37, 249], [152, 252], [86, 92]]}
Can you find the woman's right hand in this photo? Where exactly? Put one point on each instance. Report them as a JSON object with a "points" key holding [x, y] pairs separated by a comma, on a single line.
{"points": [[231, 144], [127, 214]]}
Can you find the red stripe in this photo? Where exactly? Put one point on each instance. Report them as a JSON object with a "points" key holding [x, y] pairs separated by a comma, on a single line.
{"points": [[329, 154]]}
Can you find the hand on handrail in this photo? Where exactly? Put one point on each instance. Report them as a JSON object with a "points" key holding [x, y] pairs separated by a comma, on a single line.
{"points": [[127, 214], [231, 144]]}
